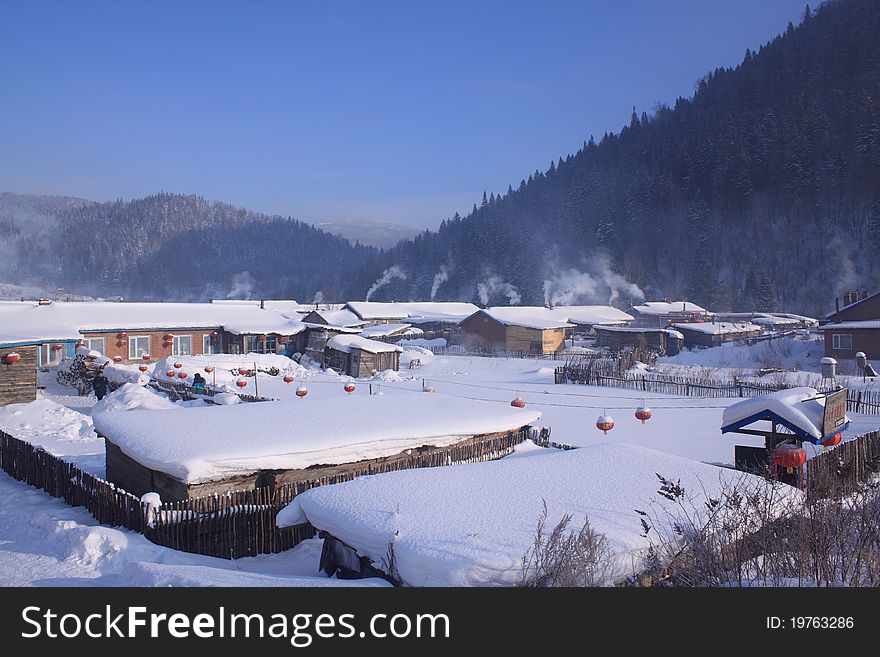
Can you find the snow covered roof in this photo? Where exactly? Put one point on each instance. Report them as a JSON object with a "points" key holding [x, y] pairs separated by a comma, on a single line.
{"points": [[383, 330], [853, 325], [718, 328], [534, 317], [341, 317], [593, 314], [800, 409], [348, 342], [665, 307], [471, 525], [205, 443], [373, 310], [67, 320], [634, 329], [424, 311], [278, 305]]}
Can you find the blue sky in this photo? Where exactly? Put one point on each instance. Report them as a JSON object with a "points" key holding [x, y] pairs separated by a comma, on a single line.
{"points": [[403, 111]]}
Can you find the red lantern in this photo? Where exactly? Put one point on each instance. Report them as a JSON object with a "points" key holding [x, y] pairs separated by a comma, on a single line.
{"points": [[170, 374], [143, 368], [643, 414], [117, 359], [789, 456], [166, 344], [349, 388], [288, 379], [119, 343], [178, 365], [168, 337], [605, 423], [241, 383], [209, 369], [122, 336], [302, 391], [518, 403], [12, 357], [182, 375], [57, 347], [833, 440], [243, 371], [146, 356]]}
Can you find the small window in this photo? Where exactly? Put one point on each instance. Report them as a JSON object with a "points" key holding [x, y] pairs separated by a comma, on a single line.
{"points": [[138, 345], [95, 344], [252, 344], [182, 345], [841, 341], [207, 346]]}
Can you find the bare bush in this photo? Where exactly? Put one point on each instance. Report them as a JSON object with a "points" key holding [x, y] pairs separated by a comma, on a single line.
{"points": [[565, 557], [763, 536]]}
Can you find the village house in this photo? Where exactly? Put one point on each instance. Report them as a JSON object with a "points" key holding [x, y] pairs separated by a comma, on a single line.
{"points": [[660, 314], [529, 330], [665, 342], [587, 318], [854, 326], [130, 332], [183, 453], [360, 357], [712, 334]]}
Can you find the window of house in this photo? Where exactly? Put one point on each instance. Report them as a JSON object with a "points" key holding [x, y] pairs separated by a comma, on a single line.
{"points": [[138, 345], [182, 345], [207, 347], [251, 343], [95, 344], [842, 341]]}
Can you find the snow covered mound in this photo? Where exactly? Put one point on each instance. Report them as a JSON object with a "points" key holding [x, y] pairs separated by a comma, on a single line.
{"points": [[44, 418], [424, 356], [200, 444], [132, 397], [471, 525]]}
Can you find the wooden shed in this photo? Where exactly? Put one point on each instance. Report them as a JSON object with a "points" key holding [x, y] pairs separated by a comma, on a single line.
{"points": [[666, 342], [18, 372], [360, 357], [515, 329], [712, 334], [192, 452]]}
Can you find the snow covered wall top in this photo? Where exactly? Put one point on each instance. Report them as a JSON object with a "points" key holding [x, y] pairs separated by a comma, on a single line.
{"points": [[471, 525], [200, 444]]}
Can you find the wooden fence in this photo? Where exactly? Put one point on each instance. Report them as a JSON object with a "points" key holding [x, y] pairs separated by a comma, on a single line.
{"points": [[841, 470], [599, 373], [186, 391], [232, 525]]}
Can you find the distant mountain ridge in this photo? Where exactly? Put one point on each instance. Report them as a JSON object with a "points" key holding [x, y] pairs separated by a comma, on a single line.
{"points": [[369, 232]]}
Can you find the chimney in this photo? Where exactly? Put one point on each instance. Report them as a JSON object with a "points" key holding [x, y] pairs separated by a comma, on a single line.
{"points": [[836, 309], [262, 305]]}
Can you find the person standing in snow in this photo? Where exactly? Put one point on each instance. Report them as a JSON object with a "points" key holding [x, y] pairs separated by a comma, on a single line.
{"points": [[198, 383], [100, 385]]}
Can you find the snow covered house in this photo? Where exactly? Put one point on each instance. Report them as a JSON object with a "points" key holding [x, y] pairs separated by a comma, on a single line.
{"points": [[473, 524], [131, 331], [18, 371], [586, 318], [660, 314], [529, 330], [392, 332], [664, 341], [360, 357], [431, 316], [712, 334], [853, 327], [182, 453]]}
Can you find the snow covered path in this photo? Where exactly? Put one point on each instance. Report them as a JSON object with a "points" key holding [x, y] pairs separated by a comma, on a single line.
{"points": [[44, 542]]}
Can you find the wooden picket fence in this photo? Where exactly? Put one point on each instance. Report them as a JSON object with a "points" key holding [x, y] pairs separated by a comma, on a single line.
{"points": [[599, 373], [842, 470], [232, 525], [186, 391]]}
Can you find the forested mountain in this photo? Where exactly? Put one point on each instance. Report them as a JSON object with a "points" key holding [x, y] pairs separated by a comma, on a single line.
{"points": [[171, 246], [762, 190]]}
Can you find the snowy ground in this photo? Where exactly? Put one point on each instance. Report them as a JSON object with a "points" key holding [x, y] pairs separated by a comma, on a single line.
{"points": [[45, 542]]}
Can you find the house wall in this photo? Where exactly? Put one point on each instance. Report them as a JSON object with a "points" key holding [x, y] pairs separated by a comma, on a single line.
{"points": [[617, 340], [867, 340], [18, 381], [698, 339], [481, 330], [112, 348]]}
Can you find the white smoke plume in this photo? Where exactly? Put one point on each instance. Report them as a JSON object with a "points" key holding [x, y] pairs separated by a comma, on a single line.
{"points": [[601, 285], [319, 298], [439, 278], [387, 276], [494, 285], [242, 286]]}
